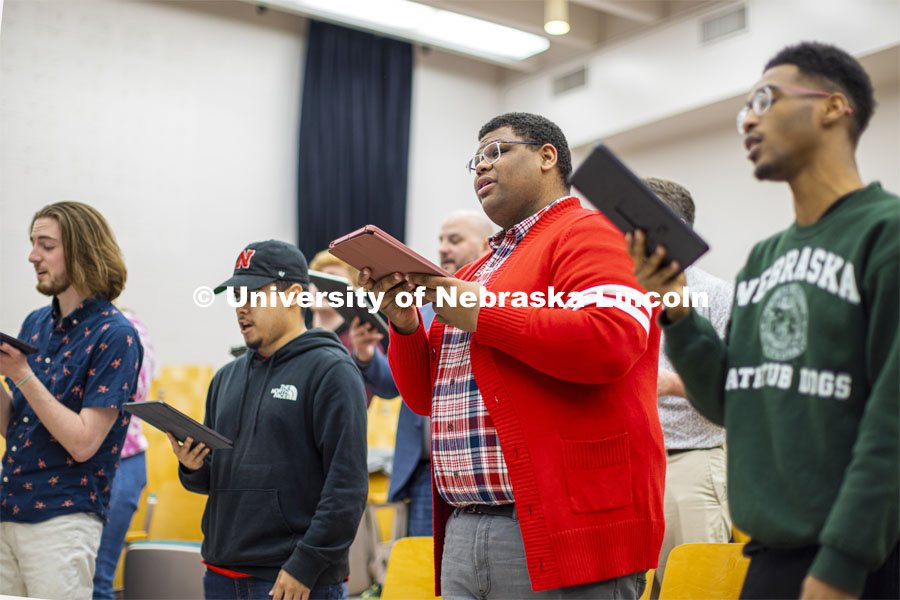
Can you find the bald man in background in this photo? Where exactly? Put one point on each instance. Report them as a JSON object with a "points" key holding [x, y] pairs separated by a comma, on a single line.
{"points": [[463, 239]]}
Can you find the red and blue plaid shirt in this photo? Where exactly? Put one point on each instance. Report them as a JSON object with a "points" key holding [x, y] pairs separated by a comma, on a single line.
{"points": [[465, 451]]}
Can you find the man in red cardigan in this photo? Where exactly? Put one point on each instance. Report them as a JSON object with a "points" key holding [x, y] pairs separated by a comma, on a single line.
{"points": [[547, 453]]}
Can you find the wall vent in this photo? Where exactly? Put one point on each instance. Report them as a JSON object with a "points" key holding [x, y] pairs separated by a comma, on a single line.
{"points": [[722, 25], [570, 81]]}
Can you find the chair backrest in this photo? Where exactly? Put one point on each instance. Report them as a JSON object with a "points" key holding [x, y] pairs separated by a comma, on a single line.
{"points": [[184, 387], [410, 571], [177, 513], [382, 422], [704, 572], [163, 571], [650, 574]]}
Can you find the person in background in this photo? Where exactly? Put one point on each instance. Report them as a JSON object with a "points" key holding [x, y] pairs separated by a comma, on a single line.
{"points": [[696, 499], [807, 381], [131, 477], [325, 316], [64, 424], [463, 239]]}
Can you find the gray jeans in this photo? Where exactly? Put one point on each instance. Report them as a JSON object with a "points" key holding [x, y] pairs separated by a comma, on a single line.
{"points": [[484, 558]]}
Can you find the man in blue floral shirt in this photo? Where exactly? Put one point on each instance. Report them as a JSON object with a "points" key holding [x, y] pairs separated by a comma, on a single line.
{"points": [[64, 423]]}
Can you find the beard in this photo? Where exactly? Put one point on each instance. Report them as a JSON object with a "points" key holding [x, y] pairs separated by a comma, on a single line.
{"points": [[53, 286]]}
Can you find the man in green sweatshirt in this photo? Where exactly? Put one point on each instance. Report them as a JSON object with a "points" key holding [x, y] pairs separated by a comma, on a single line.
{"points": [[806, 382]]}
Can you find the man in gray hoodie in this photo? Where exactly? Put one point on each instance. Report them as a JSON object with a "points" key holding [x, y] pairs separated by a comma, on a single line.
{"points": [[285, 502]]}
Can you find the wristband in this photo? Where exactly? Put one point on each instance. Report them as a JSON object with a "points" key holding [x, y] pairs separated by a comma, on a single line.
{"points": [[30, 375]]}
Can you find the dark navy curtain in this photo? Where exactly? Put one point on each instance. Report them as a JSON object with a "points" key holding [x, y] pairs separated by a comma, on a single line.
{"points": [[354, 135]]}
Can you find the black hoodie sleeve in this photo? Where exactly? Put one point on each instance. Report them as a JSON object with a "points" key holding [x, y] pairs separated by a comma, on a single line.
{"points": [[198, 481], [339, 427]]}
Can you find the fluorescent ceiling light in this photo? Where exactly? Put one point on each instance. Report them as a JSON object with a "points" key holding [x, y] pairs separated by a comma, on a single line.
{"points": [[425, 24]]}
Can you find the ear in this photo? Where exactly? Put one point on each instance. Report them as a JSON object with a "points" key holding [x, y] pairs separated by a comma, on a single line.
{"points": [[548, 156], [295, 289], [836, 107]]}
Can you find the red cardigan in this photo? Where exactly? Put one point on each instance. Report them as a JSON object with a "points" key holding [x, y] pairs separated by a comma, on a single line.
{"points": [[572, 394]]}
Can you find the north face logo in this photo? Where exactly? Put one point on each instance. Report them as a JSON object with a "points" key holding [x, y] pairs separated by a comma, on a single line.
{"points": [[285, 392], [243, 261]]}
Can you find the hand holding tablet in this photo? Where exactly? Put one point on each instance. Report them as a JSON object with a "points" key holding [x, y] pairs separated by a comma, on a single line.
{"points": [[630, 204], [23, 347]]}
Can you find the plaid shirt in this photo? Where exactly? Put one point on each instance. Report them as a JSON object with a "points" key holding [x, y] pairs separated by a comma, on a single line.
{"points": [[465, 452]]}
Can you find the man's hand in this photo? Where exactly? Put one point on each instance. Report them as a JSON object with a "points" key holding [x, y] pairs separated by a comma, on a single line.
{"points": [[669, 384], [404, 320], [191, 458], [364, 337], [288, 588], [654, 278], [816, 589], [462, 317], [13, 363]]}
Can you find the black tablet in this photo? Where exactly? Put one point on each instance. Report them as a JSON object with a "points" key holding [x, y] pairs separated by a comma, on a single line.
{"points": [[627, 201], [165, 418], [23, 347], [332, 283]]}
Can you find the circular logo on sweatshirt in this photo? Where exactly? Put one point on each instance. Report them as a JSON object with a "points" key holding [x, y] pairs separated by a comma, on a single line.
{"points": [[784, 323]]}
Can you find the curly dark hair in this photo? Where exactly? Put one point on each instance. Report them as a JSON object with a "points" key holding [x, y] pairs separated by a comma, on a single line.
{"points": [[675, 196], [535, 128], [836, 71]]}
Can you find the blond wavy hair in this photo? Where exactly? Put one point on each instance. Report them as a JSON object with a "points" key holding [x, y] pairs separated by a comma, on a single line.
{"points": [[94, 260], [327, 259]]}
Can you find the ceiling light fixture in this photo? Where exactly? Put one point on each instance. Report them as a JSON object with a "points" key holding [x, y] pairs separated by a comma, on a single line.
{"points": [[425, 24], [556, 17]]}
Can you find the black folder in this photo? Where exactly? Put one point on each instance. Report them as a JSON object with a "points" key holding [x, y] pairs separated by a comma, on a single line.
{"points": [[165, 418], [627, 201]]}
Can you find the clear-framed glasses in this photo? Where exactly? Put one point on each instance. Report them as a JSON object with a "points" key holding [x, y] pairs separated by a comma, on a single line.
{"points": [[491, 154], [764, 98]]}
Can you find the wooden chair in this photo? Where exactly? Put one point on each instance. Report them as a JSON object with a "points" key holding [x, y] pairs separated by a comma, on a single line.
{"points": [[704, 572]]}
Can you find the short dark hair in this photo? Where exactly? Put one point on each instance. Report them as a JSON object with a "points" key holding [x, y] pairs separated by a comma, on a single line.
{"points": [[283, 285], [834, 69], [535, 128], [675, 196]]}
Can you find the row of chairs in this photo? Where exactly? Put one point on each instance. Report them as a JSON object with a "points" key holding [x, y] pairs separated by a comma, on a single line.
{"points": [[162, 554], [693, 572]]}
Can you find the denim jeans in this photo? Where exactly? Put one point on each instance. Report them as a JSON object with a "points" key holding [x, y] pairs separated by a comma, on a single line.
{"points": [[131, 477], [484, 558], [420, 520], [220, 587]]}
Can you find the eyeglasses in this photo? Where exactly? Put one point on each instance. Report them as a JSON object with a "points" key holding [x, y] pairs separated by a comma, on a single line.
{"points": [[491, 154], [764, 98]]}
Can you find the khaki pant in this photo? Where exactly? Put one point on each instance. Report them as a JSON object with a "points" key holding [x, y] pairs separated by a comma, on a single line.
{"points": [[696, 501], [51, 559]]}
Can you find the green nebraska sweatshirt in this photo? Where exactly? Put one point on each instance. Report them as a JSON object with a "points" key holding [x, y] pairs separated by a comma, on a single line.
{"points": [[806, 384]]}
